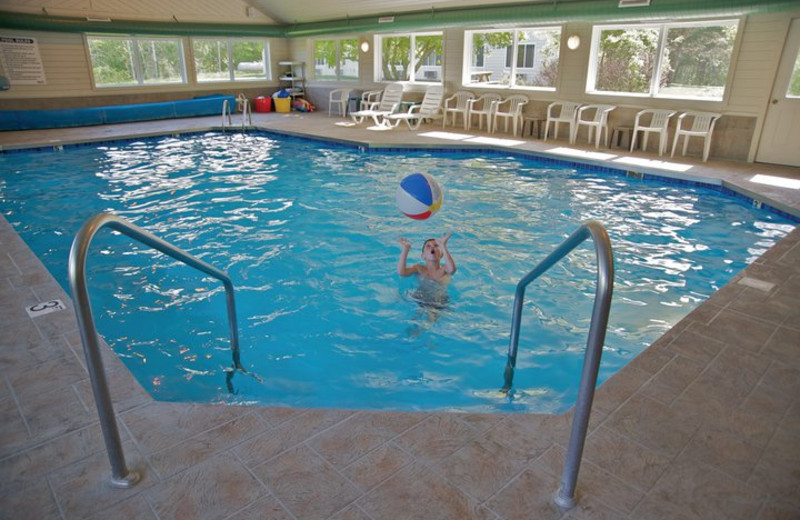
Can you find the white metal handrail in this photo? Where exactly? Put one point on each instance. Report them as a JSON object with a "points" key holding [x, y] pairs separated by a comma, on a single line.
{"points": [[120, 475], [594, 344]]}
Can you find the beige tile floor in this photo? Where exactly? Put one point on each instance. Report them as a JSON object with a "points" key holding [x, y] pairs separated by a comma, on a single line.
{"points": [[705, 423]]}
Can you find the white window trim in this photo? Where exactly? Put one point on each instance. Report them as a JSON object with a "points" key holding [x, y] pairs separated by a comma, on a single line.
{"points": [[377, 71], [466, 74], [339, 78], [591, 76], [137, 65], [265, 55]]}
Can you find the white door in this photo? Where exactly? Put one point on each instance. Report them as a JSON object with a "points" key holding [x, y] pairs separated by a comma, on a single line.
{"points": [[780, 140]]}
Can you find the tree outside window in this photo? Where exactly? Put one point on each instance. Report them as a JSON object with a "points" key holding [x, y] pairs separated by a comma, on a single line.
{"points": [[398, 63], [522, 58], [129, 61], [670, 60], [230, 60], [336, 60], [794, 82]]}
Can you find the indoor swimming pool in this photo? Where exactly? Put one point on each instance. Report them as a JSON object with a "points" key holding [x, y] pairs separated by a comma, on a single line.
{"points": [[309, 234]]}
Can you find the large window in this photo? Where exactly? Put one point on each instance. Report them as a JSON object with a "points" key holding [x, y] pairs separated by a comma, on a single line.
{"points": [[518, 58], [126, 61], [413, 57], [336, 60], [681, 60], [230, 60]]}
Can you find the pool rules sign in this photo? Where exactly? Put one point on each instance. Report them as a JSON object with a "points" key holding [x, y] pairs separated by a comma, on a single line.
{"points": [[20, 61]]}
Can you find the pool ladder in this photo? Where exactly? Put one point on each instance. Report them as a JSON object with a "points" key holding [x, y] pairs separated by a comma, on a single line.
{"points": [[247, 118], [120, 475], [565, 497]]}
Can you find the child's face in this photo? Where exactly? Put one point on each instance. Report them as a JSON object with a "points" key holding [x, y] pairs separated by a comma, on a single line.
{"points": [[431, 250]]}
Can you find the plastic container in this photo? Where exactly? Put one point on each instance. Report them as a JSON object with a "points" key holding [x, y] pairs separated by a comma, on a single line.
{"points": [[283, 105], [263, 104]]}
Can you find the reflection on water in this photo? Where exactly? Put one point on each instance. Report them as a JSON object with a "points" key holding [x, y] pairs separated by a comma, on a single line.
{"points": [[432, 298]]}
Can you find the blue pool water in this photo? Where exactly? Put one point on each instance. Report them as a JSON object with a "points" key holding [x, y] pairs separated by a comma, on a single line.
{"points": [[308, 232]]}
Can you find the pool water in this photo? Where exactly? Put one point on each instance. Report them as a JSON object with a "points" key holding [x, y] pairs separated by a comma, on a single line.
{"points": [[309, 234]]}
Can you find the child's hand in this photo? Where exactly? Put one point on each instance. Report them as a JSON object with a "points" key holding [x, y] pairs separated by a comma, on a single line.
{"points": [[444, 238], [405, 243]]}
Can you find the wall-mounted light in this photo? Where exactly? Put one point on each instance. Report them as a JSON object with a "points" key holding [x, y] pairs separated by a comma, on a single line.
{"points": [[365, 46], [573, 42]]}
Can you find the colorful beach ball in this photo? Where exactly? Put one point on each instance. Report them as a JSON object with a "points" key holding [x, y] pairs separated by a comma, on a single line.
{"points": [[419, 196]]}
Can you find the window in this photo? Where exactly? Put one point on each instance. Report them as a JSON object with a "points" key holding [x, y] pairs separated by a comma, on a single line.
{"points": [[794, 82], [336, 60], [127, 61], [519, 58], [681, 60], [230, 60], [395, 60]]}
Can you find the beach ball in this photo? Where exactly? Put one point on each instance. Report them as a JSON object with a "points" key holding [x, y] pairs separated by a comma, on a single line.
{"points": [[419, 196]]}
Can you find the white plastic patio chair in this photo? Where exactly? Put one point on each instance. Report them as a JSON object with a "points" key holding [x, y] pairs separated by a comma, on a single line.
{"points": [[566, 114], [658, 122], [509, 109], [338, 99], [456, 104], [390, 101], [482, 107], [596, 124], [430, 108], [702, 126]]}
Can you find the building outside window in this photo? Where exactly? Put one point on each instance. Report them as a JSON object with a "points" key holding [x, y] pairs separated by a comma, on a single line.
{"points": [[336, 60], [680, 60], [414, 57], [128, 61], [517, 58], [229, 59]]}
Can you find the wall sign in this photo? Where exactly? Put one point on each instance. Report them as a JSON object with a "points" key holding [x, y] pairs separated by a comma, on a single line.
{"points": [[21, 61]]}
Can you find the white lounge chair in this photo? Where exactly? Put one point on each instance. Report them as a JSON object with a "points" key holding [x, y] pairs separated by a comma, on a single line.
{"points": [[597, 123], [390, 101], [456, 104], [566, 114], [659, 119], [482, 107], [509, 109], [702, 126], [338, 99], [430, 108]]}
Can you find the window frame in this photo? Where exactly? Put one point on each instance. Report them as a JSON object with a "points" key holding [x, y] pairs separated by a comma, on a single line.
{"points": [[339, 62], [378, 46], [655, 91], [229, 43], [466, 78], [136, 60]]}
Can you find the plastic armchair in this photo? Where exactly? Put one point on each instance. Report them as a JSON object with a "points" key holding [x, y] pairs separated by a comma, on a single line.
{"points": [[596, 124], [338, 99], [702, 126], [457, 104], [509, 109], [659, 120], [482, 107], [370, 99], [567, 112]]}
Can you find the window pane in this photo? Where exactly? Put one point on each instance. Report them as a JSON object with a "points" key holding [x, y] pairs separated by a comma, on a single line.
{"points": [[428, 54], [160, 61], [541, 58], [112, 62], [325, 59], [696, 61], [626, 60], [248, 60], [211, 60], [489, 57], [395, 58], [794, 83], [349, 54]]}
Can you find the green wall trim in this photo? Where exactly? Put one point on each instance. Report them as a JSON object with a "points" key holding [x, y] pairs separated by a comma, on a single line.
{"points": [[548, 12]]}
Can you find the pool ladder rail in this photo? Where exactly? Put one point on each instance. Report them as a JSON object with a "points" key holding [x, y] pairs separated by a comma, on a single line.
{"points": [[565, 497], [120, 475], [247, 118]]}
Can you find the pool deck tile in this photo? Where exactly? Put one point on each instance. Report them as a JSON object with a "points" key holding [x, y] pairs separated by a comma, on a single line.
{"points": [[705, 423]]}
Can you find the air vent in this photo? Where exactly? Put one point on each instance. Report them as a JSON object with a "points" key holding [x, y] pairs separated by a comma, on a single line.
{"points": [[386, 19], [633, 3]]}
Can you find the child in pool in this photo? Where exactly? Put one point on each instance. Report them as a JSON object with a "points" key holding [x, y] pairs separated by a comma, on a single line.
{"points": [[433, 250]]}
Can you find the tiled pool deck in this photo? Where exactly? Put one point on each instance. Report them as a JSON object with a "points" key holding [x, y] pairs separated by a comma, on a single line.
{"points": [[705, 423]]}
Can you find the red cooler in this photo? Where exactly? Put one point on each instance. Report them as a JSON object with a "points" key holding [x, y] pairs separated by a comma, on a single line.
{"points": [[263, 104]]}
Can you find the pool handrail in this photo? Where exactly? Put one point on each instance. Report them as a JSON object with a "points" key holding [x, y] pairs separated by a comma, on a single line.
{"points": [[565, 497], [121, 477]]}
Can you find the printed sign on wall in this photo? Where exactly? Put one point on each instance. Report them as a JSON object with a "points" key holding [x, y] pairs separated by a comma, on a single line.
{"points": [[21, 61]]}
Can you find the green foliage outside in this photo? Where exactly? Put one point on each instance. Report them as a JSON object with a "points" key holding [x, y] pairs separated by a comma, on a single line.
{"points": [[112, 61], [325, 56], [160, 61], [211, 59], [794, 83], [396, 55], [626, 60], [250, 52]]}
